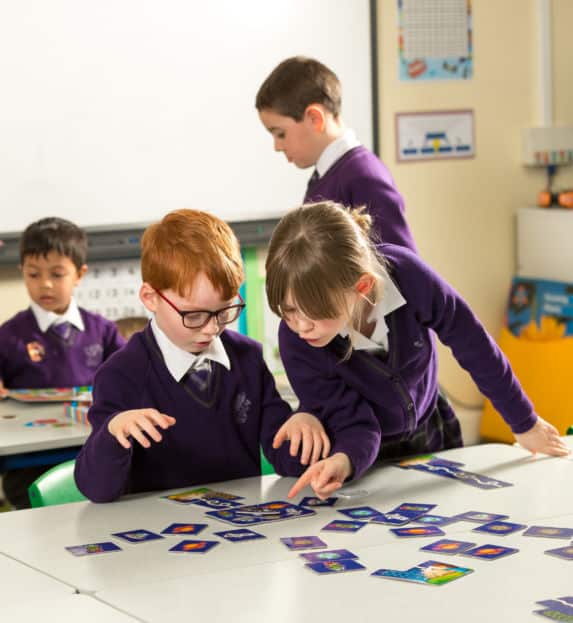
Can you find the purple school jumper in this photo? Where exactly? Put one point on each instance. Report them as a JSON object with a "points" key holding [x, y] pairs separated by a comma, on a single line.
{"points": [[387, 397], [358, 178], [216, 437], [30, 358]]}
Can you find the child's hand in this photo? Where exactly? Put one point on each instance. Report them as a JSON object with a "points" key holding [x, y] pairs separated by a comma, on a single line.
{"points": [[135, 423], [3, 391], [543, 437], [307, 428], [324, 477]]}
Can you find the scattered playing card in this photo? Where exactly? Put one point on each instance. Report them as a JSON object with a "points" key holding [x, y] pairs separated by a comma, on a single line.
{"points": [[549, 532], [341, 525], [192, 495], [184, 528], [478, 517], [241, 534], [331, 554], [430, 572], [214, 502], [258, 513], [434, 520], [489, 552], [555, 615], [359, 512], [448, 546], [303, 542], [411, 508], [418, 531], [500, 527], [137, 536], [93, 548], [312, 502], [563, 605], [390, 519], [193, 547], [561, 552], [335, 566]]}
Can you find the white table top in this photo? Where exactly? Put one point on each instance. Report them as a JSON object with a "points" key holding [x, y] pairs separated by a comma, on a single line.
{"points": [[27, 595], [263, 580], [17, 438]]}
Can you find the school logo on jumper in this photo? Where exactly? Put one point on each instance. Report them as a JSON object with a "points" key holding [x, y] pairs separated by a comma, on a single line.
{"points": [[241, 408], [36, 351], [94, 355]]}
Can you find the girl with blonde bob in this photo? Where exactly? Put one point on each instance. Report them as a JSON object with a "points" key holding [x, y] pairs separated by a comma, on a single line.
{"points": [[357, 339]]}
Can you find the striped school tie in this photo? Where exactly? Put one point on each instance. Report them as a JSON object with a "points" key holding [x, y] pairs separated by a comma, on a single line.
{"points": [[62, 330], [312, 180], [199, 377]]}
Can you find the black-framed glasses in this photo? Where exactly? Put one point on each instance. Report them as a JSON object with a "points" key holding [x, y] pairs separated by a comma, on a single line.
{"points": [[197, 319]]}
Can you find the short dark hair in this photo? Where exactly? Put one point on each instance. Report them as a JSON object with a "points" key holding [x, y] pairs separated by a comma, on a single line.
{"points": [[297, 83], [53, 234]]}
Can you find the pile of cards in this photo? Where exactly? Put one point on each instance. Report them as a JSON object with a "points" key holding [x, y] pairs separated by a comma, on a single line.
{"points": [[403, 514], [558, 609], [325, 561], [261, 513], [429, 572]]}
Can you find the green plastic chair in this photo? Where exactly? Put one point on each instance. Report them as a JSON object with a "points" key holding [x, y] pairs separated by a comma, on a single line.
{"points": [[569, 431], [266, 467], [56, 486]]}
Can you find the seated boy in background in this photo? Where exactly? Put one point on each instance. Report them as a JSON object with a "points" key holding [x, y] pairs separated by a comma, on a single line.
{"points": [[53, 343], [300, 104], [186, 402]]}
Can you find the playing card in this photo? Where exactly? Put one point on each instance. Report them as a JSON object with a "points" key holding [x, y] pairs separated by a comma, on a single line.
{"points": [[88, 549], [312, 502], [259, 513], [434, 520], [303, 542], [478, 517], [489, 552], [549, 532], [244, 534], [191, 495], [184, 528], [137, 536], [561, 552], [500, 527], [411, 508], [331, 554], [335, 566], [418, 531], [448, 546], [561, 604], [193, 547], [359, 512], [555, 615], [390, 519], [341, 525], [214, 502], [430, 572]]}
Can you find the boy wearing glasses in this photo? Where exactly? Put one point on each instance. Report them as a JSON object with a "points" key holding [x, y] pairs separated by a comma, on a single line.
{"points": [[185, 402]]}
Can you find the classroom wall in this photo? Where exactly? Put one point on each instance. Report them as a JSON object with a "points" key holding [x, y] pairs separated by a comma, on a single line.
{"points": [[462, 212]]}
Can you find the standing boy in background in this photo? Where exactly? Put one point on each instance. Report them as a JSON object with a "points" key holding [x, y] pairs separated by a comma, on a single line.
{"points": [[53, 343], [186, 401], [300, 105]]}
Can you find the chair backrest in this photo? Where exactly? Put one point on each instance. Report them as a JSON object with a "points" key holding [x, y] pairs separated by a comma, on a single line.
{"points": [[56, 486], [266, 467]]}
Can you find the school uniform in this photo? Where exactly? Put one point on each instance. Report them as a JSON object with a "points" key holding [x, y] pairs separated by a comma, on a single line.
{"points": [[222, 417], [350, 174], [41, 349], [389, 389]]}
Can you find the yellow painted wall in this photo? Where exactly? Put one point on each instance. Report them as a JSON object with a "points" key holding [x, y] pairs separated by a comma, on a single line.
{"points": [[462, 212]]}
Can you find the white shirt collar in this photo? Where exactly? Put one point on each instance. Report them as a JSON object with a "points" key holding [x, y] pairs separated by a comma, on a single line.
{"points": [[333, 152], [391, 300], [179, 361], [46, 319]]}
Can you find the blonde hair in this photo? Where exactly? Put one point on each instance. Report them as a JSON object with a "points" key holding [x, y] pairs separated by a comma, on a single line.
{"points": [[317, 254], [185, 243]]}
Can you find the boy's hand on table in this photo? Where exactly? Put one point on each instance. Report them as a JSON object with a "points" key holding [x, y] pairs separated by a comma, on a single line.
{"points": [[3, 391], [324, 477], [543, 437], [135, 423], [306, 429]]}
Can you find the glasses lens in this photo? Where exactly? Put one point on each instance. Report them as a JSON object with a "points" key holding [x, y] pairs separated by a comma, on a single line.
{"points": [[229, 314], [195, 320]]}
